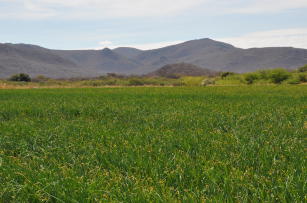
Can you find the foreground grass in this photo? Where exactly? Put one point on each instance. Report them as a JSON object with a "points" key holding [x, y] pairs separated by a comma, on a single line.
{"points": [[153, 144]]}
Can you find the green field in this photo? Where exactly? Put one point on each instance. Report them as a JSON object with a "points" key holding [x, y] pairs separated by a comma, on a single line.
{"points": [[236, 144]]}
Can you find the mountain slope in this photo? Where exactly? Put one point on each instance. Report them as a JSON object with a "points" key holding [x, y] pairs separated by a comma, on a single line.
{"points": [[128, 52], [222, 57], [35, 60], [205, 53], [264, 58], [188, 52], [101, 61], [182, 69]]}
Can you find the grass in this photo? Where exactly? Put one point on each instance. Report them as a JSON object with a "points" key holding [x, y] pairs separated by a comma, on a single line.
{"points": [[235, 144]]}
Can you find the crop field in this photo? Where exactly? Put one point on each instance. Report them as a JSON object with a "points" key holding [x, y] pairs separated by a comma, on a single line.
{"points": [[154, 144]]}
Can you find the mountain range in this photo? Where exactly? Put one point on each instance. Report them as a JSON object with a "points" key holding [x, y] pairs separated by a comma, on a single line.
{"points": [[205, 53]]}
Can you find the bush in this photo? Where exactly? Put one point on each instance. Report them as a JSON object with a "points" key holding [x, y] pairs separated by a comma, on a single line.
{"points": [[225, 74], [251, 77], [297, 78], [293, 81], [302, 69], [302, 77], [115, 75], [110, 82], [208, 81], [263, 74], [136, 82], [21, 77], [278, 75]]}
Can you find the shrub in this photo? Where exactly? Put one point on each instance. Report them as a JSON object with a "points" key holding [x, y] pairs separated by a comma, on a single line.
{"points": [[21, 77], [264, 74], [110, 82], [251, 77], [293, 81], [136, 82], [225, 74], [208, 81], [115, 75], [302, 77], [303, 69], [278, 75], [297, 78]]}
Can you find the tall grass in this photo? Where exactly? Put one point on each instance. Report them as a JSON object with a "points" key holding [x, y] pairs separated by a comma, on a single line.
{"points": [[236, 144]]}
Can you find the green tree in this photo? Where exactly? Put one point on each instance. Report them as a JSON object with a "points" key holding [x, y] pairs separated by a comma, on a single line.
{"points": [[278, 75], [302, 77], [225, 74], [251, 77], [21, 77], [263, 74], [302, 69]]}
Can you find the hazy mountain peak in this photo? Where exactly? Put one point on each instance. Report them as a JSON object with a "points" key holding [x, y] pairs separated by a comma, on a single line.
{"points": [[208, 42]]}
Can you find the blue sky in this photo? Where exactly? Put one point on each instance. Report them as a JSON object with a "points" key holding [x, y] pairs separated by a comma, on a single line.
{"points": [[148, 24]]}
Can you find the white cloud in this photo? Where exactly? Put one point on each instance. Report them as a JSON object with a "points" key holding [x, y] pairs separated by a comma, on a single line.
{"points": [[137, 8], [272, 38], [105, 43]]}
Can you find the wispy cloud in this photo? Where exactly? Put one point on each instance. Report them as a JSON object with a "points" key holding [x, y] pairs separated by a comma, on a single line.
{"points": [[93, 9], [265, 6], [272, 38]]}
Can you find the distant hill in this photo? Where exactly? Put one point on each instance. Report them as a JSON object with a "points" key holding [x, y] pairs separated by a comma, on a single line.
{"points": [[100, 61], [128, 52], [35, 60], [220, 56], [181, 69], [205, 53]]}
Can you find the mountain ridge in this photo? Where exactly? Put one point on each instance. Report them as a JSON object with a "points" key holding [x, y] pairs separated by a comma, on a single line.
{"points": [[205, 53]]}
